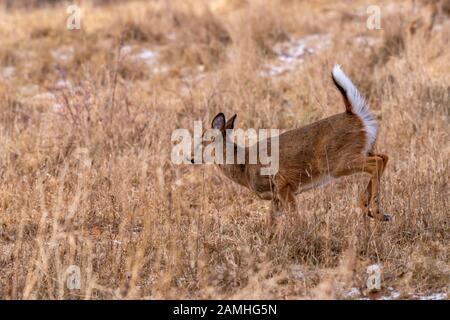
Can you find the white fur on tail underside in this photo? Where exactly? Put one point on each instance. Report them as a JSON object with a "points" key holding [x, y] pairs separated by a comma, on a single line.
{"points": [[358, 105]]}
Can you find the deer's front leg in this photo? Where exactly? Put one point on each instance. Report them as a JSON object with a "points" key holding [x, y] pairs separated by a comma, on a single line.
{"points": [[287, 199], [276, 210], [283, 202]]}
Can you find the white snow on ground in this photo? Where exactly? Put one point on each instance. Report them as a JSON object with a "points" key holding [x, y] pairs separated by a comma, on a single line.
{"points": [[293, 52], [57, 107], [355, 293], [63, 83], [63, 54], [193, 75], [33, 94], [150, 57], [297, 271], [28, 90], [434, 296], [125, 50], [367, 41], [45, 96], [289, 54], [8, 72], [172, 36]]}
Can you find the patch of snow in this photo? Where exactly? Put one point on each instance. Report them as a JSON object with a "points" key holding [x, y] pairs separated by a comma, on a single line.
{"points": [[297, 272], [172, 36], [63, 54], [6, 251], [291, 53], [353, 293], [63, 83], [126, 49], [149, 57], [434, 296], [367, 41], [160, 69], [33, 94], [8, 72], [274, 70], [57, 107], [45, 96], [28, 90], [393, 294], [201, 68]]}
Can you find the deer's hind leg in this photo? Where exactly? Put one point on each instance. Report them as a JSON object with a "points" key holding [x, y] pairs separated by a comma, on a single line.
{"points": [[276, 208], [369, 200]]}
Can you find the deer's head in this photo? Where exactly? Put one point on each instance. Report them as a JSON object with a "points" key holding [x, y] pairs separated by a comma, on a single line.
{"points": [[217, 134]]}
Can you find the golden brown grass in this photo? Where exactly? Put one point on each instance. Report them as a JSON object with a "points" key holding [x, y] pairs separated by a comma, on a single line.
{"points": [[86, 177]]}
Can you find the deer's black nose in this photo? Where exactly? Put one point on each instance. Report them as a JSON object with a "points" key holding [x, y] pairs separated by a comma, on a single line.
{"points": [[192, 160]]}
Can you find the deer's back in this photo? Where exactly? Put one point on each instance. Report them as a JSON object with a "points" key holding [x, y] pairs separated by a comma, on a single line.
{"points": [[309, 155], [323, 143]]}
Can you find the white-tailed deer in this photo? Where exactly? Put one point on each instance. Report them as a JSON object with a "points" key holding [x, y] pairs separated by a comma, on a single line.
{"points": [[337, 146]]}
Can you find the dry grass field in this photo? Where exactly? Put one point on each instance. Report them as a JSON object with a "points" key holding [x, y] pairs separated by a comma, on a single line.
{"points": [[86, 118]]}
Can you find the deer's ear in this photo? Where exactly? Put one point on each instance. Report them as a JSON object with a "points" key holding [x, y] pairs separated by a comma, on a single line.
{"points": [[219, 122], [230, 122]]}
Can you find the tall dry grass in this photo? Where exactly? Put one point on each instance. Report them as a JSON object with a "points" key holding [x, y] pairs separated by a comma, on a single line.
{"points": [[86, 177]]}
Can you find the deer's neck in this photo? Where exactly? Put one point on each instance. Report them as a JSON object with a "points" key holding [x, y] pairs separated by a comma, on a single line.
{"points": [[235, 171]]}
